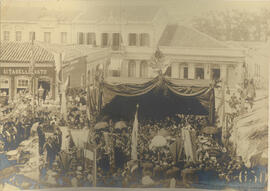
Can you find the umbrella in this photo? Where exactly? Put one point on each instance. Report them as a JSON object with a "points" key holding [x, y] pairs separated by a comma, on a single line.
{"points": [[158, 141], [120, 125], [163, 132], [210, 130], [101, 125], [34, 127]]}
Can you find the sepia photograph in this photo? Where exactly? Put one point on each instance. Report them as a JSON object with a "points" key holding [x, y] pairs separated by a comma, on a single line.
{"points": [[134, 94]]}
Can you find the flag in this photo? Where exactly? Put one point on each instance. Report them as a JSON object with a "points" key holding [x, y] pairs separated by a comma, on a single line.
{"points": [[88, 108], [134, 141], [107, 142], [176, 149]]}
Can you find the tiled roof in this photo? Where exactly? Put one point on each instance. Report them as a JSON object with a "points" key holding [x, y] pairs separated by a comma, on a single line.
{"points": [[183, 36], [119, 13], [71, 51], [21, 52]]}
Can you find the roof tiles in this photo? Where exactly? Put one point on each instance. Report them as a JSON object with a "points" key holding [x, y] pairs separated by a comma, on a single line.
{"points": [[183, 36], [21, 52]]}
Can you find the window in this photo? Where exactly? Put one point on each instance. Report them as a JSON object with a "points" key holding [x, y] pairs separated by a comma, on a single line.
{"points": [[131, 68], [4, 83], [144, 69], [144, 39], [215, 74], [116, 40], [80, 38], [4, 87], [132, 39], [23, 83], [18, 35], [114, 66], [185, 72], [63, 37], [199, 73], [91, 38], [115, 73], [104, 39], [6, 35], [32, 36], [47, 37]]}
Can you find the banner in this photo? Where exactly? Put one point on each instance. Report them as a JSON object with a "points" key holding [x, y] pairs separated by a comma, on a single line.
{"points": [[134, 140]]}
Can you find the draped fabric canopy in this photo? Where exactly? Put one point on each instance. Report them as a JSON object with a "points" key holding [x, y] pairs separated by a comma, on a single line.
{"points": [[158, 98]]}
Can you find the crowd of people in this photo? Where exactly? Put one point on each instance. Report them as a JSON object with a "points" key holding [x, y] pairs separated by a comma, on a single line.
{"points": [[114, 146], [77, 114], [238, 103], [202, 153], [13, 131], [15, 125], [186, 145]]}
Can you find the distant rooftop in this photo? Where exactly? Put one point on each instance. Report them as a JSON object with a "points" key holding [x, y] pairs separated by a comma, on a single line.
{"points": [[182, 36], [117, 13], [43, 52], [71, 51], [35, 14], [93, 14]]}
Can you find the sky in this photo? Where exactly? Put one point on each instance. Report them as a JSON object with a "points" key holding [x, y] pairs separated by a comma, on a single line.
{"points": [[177, 9]]}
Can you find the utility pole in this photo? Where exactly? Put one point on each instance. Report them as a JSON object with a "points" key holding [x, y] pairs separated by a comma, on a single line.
{"points": [[224, 120], [32, 67]]}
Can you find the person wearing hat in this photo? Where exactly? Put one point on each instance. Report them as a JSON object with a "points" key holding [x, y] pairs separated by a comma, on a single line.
{"points": [[50, 152], [41, 138], [59, 136], [69, 141], [79, 176]]}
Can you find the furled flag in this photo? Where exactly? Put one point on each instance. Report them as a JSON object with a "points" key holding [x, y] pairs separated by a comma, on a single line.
{"points": [[63, 99], [134, 141]]}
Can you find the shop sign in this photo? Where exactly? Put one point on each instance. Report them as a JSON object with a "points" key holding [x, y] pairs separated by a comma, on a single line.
{"points": [[15, 71]]}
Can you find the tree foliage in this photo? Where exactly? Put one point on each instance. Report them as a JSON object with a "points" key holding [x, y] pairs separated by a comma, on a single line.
{"points": [[235, 25]]}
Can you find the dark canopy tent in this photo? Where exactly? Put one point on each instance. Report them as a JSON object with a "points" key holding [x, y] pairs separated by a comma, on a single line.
{"points": [[157, 98]]}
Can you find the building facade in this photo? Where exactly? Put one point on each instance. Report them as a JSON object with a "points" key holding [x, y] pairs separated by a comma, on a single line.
{"points": [[21, 71], [131, 40], [194, 55]]}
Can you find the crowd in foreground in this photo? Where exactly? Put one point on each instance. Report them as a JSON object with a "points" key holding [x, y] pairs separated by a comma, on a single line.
{"points": [[77, 113], [187, 150], [198, 153]]}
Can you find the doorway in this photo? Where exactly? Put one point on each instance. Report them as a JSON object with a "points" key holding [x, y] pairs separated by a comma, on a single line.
{"points": [[45, 85], [215, 74]]}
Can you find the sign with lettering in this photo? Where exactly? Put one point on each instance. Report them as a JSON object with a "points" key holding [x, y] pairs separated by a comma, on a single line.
{"points": [[22, 71]]}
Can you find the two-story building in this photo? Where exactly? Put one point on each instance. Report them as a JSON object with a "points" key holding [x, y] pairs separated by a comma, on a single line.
{"points": [[194, 55], [26, 67], [131, 38]]}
